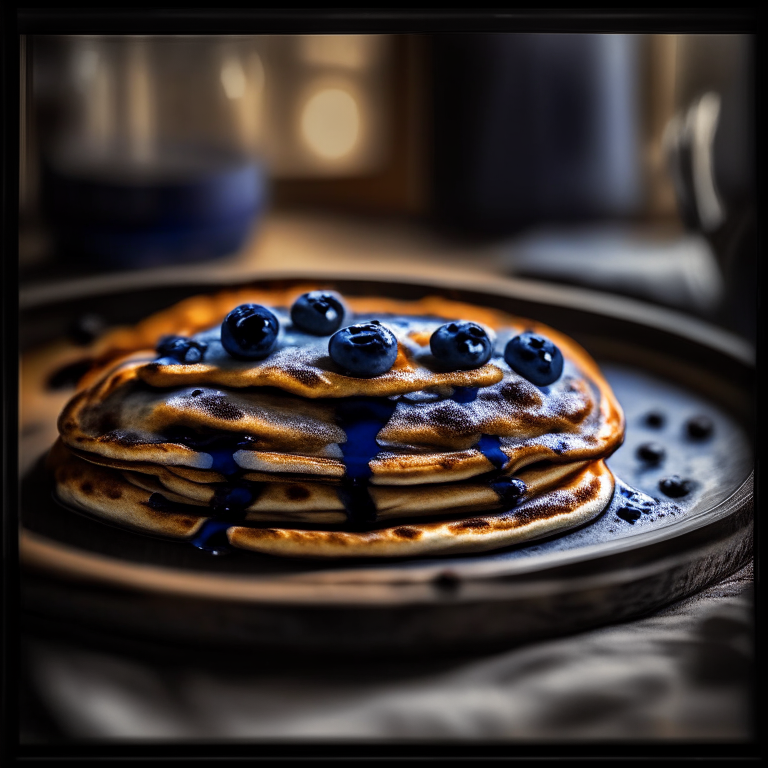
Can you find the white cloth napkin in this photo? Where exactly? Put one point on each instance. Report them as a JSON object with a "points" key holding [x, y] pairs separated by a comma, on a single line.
{"points": [[681, 674]]}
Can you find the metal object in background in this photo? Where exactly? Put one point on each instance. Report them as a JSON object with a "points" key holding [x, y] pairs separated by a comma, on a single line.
{"points": [[150, 146], [710, 147]]}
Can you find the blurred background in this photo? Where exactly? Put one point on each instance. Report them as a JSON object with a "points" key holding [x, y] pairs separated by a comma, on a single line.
{"points": [[620, 162]]}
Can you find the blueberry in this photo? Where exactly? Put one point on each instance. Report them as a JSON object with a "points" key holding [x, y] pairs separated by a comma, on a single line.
{"points": [[364, 349], [655, 419], [674, 487], [699, 427], [535, 358], [651, 453], [461, 345], [318, 312], [182, 349], [249, 332]]}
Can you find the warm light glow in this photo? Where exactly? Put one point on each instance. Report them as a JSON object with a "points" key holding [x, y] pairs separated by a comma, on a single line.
{"points": [[140, 109], [330, 123], [352, 51], [233, 78]]}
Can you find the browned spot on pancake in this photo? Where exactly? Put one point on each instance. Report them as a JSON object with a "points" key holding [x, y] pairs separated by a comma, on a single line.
{"points": [[219, 407], [449, 420], [86, 488], [68, 425], [297, 492], [304, 376], [122, 438], [406, 533], [113, 492], [519, 392], [80, 439], [588, 492], [152, 367], [473, 524], [449, 462]]}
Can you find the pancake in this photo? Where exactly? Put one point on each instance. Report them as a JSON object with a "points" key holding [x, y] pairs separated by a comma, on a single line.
{"points": [[296, 440], [569, 500]]}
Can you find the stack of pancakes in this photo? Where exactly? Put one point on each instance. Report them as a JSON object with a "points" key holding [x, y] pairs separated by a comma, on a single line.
{"points": [[290, 456]]}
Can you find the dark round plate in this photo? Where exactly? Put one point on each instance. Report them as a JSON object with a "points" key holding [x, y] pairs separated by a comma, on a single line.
{"points": [[78, 571]]}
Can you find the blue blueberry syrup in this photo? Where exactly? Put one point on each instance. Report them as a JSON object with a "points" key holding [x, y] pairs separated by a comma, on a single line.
{"points": [[181, 349], [361, 418], [464, 395], [651, 453], [631, 504], [230, 499], [461, 345], [535, 358], [212, 538], [364, 349], [490, 447], [318, 312], [249, 332]]}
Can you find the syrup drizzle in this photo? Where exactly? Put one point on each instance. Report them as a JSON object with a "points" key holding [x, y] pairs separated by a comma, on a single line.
{"points": [[630, 504], [464, 394], [490, 447], [212, 538], [230, 500], [362, 418]]}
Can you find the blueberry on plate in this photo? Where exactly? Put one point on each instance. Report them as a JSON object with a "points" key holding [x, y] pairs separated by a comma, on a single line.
{"points": [[364, 350], [249, 332], [318, 312], [535, 358], [182, 349], [699, 427], [461, 345], [675, 487], [651, 453], [655, 419]]}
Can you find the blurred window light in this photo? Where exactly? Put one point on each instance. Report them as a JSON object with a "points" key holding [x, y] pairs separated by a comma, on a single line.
{"points": [[233, 78], [330, 123], [351, 51]]}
